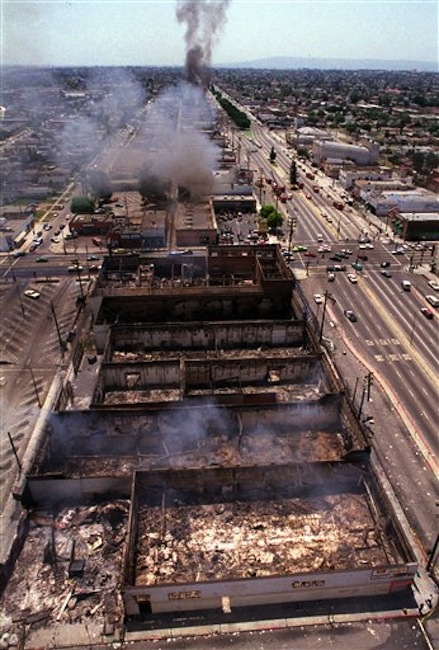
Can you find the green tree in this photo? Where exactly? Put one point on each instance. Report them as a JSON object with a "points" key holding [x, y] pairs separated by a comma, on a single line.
{"points": [[82, 205], [293, 173], [272, 216], [275, 220]]}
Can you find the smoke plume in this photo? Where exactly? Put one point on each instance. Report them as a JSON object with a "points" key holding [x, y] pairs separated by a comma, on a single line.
{"points": [[203, 19]]}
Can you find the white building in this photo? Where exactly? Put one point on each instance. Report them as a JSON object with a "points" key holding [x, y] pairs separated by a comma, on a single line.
{"points": [[411, 200], [365, 154]]}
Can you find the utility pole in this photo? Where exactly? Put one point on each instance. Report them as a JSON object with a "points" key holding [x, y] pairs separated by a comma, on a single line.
{"points": [[363, 395], [61, 342], [35, 387], [326, 296], [369, 384], [293, 224], [14, 451]]}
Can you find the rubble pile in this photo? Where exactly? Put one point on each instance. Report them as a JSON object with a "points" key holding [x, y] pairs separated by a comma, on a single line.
{"points": [[69, 568], [188, 543]]}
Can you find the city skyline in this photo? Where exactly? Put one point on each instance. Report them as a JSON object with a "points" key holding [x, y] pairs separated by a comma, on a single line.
{"points": [[84, 32]]}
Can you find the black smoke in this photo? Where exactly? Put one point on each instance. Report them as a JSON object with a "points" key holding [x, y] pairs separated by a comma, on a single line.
{"points": [[203, 20]]}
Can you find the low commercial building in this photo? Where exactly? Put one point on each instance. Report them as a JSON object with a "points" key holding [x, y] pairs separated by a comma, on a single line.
{"points": [[365, 154], [409, 200]]}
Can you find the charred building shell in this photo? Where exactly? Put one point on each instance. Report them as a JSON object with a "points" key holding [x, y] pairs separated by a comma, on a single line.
{"points": [[223, 428]]}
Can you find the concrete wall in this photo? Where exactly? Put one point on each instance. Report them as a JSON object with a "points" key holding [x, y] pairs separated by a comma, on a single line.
{"points": [[206, 336], [262, 591]]}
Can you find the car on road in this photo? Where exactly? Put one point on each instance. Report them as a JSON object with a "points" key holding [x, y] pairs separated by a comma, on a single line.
{"points": [[331, 277], [386, 273], [433, 300], [17, 254], [31, 293], [352, 277], [298, 248], [75, 268], [397, 251], [406, 285], [336, 257], [350, 315], [357, 266], [93, 258], [427, 313], [434, 285], [34, 246], [318, 298], [41, 258], [385, 265], [346, 251], [309, 254], [335, 267]]}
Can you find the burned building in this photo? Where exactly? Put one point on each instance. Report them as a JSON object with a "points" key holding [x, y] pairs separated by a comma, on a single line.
{"points": [[217, 436]]}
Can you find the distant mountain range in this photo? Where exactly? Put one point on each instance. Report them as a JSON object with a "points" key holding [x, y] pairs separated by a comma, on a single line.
{"points": [[294, 63]]}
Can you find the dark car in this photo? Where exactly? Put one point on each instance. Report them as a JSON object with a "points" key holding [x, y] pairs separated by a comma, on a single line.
{"points": [[350, 315], [386, 273], [385, 265], [336, 257], [357, 266], [427, 313], [362, 256]]}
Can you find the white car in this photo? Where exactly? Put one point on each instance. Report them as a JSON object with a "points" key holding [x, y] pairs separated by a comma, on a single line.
{"points": [[31, 293], [434, 284], [318, 298], [353, 278]]}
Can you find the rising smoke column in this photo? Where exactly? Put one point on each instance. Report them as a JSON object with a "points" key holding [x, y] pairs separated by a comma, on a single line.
{"points": [[203, 19]]}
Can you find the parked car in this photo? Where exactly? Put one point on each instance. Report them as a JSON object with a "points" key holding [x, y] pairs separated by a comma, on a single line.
{"points": [[352, 277], [385, 265], [31, 293], [318, 298], [357, 266], [386, 273]]}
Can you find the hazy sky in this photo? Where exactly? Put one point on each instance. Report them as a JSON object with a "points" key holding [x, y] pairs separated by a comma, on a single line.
{"points": [[147, 32]]}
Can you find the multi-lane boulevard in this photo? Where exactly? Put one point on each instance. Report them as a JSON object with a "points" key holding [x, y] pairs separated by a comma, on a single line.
{"points": [[391, 337]]}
